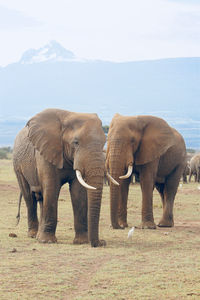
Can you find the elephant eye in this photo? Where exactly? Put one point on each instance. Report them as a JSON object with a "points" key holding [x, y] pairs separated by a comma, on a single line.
{"points": [[132, 140], [75, 142]]}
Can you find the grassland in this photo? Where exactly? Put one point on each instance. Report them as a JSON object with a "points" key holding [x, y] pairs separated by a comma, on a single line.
{"points": [[154, 264]]}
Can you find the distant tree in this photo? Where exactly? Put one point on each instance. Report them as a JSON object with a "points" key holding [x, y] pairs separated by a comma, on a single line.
{"points": [[190, 150], [105, 128], [4, 151], [3, 154]]}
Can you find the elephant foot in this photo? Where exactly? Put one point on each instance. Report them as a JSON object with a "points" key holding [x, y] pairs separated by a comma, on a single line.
{"points": [[123, 224], [32, 233], [45, 237], [81, 239], [99, 243], [147, 225], [116, 226], [166, 223]]}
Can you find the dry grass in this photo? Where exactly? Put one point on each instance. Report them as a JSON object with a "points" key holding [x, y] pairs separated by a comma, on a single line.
{"points": [[155, 264]]}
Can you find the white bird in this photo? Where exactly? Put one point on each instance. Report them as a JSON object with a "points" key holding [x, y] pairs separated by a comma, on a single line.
{"points": [[130, 233], [198, 187]]}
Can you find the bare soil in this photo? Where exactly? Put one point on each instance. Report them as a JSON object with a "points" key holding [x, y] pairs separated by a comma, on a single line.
{"points": [[154, 264]]}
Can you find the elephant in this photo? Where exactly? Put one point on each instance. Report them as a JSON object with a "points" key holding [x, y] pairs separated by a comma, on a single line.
{"points": [[195, 167], [149, 147], [57, 147], [186, 170]]}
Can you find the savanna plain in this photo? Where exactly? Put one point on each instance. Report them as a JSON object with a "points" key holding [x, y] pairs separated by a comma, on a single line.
{"points": [[153, 264]]}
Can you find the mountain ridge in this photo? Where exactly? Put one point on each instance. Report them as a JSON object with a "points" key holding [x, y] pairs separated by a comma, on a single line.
{"points": [[168, 88], [53, 51]]}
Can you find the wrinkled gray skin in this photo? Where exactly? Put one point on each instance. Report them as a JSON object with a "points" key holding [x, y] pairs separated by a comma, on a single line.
{"points": [[46, 154], [195, 167], [157, 153]]}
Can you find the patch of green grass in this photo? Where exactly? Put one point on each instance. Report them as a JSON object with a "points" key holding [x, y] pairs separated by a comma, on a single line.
{"points": [[154, 264]]}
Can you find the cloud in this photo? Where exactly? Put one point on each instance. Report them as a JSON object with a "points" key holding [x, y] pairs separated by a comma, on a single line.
{"points": [[113, 30], [190, 2], [12, 19]]}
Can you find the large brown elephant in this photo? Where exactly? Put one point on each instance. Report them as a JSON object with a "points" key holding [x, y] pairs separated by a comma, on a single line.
{"points": [[147, 146], [55, 147]]}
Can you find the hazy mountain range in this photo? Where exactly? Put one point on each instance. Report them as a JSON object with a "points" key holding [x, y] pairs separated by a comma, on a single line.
{"points": [[54, 77]]}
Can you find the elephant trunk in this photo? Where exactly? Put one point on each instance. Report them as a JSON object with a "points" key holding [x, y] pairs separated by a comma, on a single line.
{"points": [[117, 167], [94, 206], [114, 203], [94, 174]]}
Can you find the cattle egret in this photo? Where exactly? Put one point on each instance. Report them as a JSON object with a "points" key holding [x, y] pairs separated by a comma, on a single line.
{"points": [[130, 233]]}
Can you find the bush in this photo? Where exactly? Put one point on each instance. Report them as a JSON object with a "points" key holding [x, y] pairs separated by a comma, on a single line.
{"points": [[105, 128], [4, 151]]}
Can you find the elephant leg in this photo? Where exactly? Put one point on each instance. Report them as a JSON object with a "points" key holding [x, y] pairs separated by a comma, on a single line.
{"points": [[80, 208], [184, 178], [31, 204], [147, 179], [190, 175], [169, 193], [160, 189], [48, 214], [195, 176], [122, 208], [198, 174]]}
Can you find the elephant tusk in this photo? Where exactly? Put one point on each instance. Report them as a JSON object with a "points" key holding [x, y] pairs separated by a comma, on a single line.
{"points": [[112, 179], [82, 182], [128, 174]]}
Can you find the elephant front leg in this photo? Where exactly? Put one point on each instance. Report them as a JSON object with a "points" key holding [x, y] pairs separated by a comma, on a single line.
{"points": [[80, 208], [48, 218], [147, 186]]}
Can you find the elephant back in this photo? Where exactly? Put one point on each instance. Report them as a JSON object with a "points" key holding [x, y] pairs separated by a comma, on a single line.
{"points": [[24, 157]]}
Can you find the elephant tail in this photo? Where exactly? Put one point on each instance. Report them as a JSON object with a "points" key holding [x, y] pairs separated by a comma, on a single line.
{"points": [[19, 205]]}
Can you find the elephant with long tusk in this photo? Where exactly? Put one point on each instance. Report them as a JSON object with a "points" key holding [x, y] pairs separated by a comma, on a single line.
{"points": [[150, 148], [56, 147]]}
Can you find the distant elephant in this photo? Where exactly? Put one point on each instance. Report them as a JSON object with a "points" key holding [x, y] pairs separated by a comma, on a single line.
{"points": [[55, 147], [195, 167], [147, 146], [186, 170]]}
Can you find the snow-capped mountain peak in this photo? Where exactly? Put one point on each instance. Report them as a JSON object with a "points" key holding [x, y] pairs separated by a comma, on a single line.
{"points": [[53, 51]]}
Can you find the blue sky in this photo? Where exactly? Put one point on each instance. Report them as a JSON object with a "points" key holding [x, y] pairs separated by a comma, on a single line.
{"points": [[115, 30]]}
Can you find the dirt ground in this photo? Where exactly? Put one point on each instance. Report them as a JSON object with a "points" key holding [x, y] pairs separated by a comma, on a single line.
{"points": [[154, 264]]}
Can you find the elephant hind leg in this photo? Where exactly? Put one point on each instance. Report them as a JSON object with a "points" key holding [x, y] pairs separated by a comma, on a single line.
{"points": [[165, 221], [80, 209], [168, 195], [160, 189], [31, 205]]}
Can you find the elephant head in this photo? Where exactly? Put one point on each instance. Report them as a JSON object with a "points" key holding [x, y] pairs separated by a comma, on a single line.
{"points": [[132, 141], [73, 143]]}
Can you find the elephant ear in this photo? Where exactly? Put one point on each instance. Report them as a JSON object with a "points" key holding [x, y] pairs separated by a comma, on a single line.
{"points": [[45, 133], [157, 137]]}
